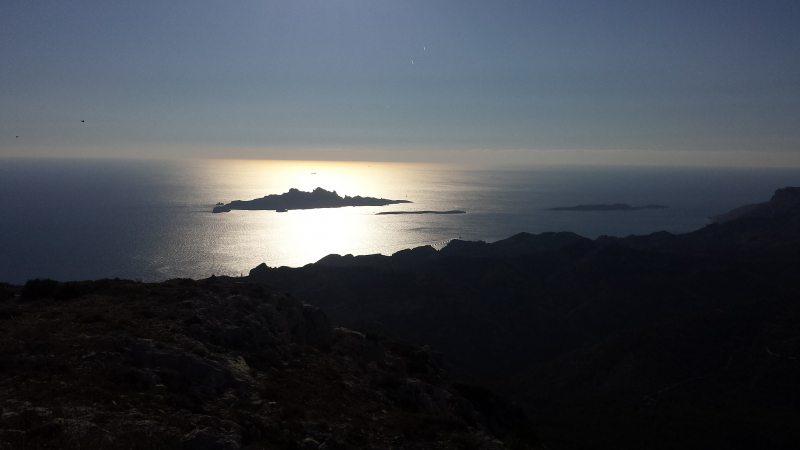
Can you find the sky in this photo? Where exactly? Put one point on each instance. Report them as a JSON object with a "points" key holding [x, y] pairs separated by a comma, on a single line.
{"points": [[474, 82]]}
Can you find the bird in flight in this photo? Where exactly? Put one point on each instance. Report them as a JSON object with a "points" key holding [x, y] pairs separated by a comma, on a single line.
{"points": [[412, 61], [82, 121]]}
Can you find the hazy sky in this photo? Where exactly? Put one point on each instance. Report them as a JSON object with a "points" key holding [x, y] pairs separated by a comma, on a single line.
{"points": [[646, 82]]}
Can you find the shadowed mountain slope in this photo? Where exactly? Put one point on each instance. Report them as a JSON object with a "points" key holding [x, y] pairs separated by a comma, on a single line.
{"points": [[608, 341]]}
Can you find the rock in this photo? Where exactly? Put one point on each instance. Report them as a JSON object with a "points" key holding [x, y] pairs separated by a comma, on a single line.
{"points": [[258, 270], [25, 420], [266, 310], [11, 421], [239, 373], [9, 311], [93, 433], [352, 343], [12, 438], [420, 397], [209, 375], [209, 439], [347, 342], [309, 444]]}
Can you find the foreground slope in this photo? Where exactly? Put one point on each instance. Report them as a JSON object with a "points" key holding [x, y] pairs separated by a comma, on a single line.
{"points": [[222, 364]]}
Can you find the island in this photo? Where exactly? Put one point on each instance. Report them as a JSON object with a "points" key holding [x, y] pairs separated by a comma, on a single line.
{"points": [[297, 199], [419, 212], [614, 207]]}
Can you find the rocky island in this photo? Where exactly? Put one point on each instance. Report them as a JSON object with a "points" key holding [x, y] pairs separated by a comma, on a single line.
{"points": [[297, 199], [614, 207]]}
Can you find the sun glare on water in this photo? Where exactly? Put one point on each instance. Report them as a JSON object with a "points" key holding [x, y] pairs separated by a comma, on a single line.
{"points": [[299, 237]]}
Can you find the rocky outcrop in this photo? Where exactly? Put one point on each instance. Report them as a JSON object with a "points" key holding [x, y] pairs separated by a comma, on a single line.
{"points": [[347, 260]]}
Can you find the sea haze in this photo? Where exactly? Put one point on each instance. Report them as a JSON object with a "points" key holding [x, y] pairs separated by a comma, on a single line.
{"points": [[152, 220]]}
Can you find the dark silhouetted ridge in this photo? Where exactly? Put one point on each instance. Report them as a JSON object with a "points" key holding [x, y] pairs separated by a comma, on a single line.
{"points": [[657, 341]]}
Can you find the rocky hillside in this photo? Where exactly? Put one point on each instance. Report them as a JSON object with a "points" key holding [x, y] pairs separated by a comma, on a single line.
{"points": [[223, 364], [659, 341]]}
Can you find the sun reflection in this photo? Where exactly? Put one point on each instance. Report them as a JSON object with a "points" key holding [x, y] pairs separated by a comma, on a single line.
{"points": [[244, 239], [313, 234]]}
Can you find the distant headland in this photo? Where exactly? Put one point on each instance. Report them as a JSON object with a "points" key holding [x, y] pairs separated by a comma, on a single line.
{"points": [[614, 207], [297, 199], [386, 213]]}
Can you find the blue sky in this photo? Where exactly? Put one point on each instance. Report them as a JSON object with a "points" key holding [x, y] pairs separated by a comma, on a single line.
{"points": [[709, 82]]}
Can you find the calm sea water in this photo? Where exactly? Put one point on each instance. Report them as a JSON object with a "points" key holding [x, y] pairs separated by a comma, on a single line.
{"points": [[151, 220]]}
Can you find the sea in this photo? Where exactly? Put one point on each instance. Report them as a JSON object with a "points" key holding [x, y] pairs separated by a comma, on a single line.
{"points": [[151, 220]]}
